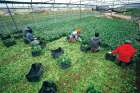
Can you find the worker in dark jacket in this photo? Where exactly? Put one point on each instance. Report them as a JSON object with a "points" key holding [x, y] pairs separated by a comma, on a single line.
{"points": [[95, 43], [125, 53], [28, 36]]}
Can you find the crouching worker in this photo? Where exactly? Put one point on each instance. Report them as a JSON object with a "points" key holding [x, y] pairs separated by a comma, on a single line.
{"points": [[74, 36], [95, 43], [36, 47], [28, 36], [125, 53]]}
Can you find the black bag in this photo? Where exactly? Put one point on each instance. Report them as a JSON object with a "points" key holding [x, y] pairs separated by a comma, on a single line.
{"points": [[35, 72], [48, 87], [57, 52], [109, 56]]}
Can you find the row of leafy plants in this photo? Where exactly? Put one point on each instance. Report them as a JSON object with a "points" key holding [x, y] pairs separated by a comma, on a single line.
{"points": [[112, 31]]}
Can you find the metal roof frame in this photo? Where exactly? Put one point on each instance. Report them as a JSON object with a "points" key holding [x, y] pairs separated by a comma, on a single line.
{"points": [[17, 2]]}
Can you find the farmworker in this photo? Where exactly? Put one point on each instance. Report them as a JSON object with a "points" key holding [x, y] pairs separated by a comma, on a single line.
{"points": [[29, 35], [25, 31], [95, 43], [74, 36], [125, 53]]}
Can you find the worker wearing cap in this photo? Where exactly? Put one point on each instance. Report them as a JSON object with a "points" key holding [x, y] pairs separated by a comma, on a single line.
{"points": [[74, 35], [27, 35], [95, 43], [125, 53]]}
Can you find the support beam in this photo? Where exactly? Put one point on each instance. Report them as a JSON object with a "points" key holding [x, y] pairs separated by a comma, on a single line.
{"points": [[13, 20], [16, 2]]}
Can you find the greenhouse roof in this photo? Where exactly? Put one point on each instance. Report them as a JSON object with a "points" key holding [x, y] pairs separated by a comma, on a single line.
{"points": [[75, 3], [94, 2]]}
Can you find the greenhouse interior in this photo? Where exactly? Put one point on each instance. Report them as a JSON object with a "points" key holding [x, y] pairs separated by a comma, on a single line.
{"points": [[69, 46]]}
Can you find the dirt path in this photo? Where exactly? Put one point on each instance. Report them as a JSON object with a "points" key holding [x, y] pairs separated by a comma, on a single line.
{"points": [[114, 15]]}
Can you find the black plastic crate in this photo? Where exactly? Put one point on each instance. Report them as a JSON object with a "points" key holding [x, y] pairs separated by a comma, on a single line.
{"points": [[36, 53], [48, 87], [35, 72], [109, 56], [57, 52]]}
